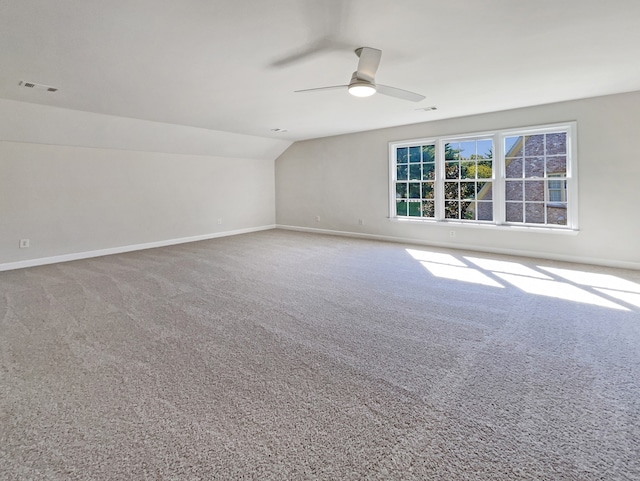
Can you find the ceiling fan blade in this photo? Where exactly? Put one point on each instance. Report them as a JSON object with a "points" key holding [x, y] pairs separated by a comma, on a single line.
{"points": [[326, 22], [315, 48], [368, 63], [333, 87], [399, 93]]}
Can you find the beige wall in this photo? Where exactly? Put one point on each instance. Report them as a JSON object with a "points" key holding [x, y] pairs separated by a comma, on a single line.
{"points": [[101, 182], [71, 198], [345, 178]]}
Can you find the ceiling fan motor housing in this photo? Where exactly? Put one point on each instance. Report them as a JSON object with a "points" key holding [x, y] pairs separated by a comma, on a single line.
{"points": [[361, 87]]}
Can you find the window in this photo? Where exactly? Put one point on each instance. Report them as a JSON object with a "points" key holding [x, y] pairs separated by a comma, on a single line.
{"points": [[514, 177], [415, 180], [468, 179], [530, 161]]}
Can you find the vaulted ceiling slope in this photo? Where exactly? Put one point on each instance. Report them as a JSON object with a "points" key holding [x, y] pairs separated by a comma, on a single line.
{"points": [[233, 66]]}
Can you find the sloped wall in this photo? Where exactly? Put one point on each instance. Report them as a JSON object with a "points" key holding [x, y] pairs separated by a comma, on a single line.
{"points": [[73, 183]]}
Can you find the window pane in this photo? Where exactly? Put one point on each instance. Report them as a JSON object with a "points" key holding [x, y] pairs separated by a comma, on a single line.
{"points": [[402, 171], [468, 210], [401, 190], [557, 165], [534, 145], [451, 190], [485, 210], [428, 208], [468, 170], [452, 170], [485, 170], [557, 143], [514, 212], [557, 214], [467, 190], [428, 153], [468, 149], [414, 154], [451, 209], [401, 208], [534, 190], [534, 167], [513, 146], [414, 190], [485, 149], [450, 151], [557, 190], [485, 190], [414, 209], [534, 213], [401, 155], [427, 190], [428, 171], [555, 195], [514, 189], [414, 172], [514, 168]]}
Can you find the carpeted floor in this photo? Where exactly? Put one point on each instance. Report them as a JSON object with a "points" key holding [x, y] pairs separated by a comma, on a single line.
{"points": [[289, 356]]}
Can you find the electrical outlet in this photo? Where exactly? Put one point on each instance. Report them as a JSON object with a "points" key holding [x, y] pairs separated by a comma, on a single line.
{"points": [[452, 233], [317, 218], [219, 221], [360, 222], [24, 243]]}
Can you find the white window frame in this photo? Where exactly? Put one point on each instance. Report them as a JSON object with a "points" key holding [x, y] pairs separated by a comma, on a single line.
{"points": [[498, 178]]}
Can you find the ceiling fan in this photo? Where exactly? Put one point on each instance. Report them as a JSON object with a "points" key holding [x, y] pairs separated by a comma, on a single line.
{"points": [[363, 82]]}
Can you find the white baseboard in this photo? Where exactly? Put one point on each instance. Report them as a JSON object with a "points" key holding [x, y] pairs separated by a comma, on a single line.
{"points": [[118, 250], [469, 247]]}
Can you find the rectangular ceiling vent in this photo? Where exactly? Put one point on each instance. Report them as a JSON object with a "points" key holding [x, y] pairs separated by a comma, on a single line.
{"points": [[32, 85]]}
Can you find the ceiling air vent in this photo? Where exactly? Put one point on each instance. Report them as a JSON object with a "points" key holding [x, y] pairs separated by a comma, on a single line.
{"points": [[32, 85]]}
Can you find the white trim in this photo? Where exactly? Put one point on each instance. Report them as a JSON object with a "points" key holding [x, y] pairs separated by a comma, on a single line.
{"points": [[544, 229], [512, 252], [392, 180], [438, 195], [572, 177], [119, 250]]}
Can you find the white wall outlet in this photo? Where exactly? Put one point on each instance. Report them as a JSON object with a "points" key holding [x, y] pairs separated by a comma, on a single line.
{"points": [[219, 221], [317, 218], [360, 222], [452, 233], [24, 243]]}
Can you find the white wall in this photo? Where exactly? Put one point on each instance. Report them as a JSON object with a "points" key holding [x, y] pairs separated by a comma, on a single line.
{"points": [[74, 183], [346, 178]]}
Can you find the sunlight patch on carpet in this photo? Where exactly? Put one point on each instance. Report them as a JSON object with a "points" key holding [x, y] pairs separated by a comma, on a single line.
{"points": [[464, 274], [570, 285], [559, 290]]}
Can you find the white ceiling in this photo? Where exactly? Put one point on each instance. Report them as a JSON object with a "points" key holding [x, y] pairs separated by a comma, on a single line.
{"points": [[209, 63]]}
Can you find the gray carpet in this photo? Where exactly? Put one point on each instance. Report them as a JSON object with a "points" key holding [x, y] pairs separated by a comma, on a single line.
{"points": [[289, 356]]}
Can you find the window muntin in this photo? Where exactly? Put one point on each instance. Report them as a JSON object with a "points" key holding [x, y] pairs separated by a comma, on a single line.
{"points": [[515, 177]]}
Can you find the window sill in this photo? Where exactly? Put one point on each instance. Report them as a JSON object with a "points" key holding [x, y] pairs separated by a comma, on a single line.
{"points": [[488, 225]]}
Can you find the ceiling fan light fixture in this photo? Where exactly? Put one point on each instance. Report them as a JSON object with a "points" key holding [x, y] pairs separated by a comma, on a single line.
{"points": [[363, 83], [362, 89]]}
